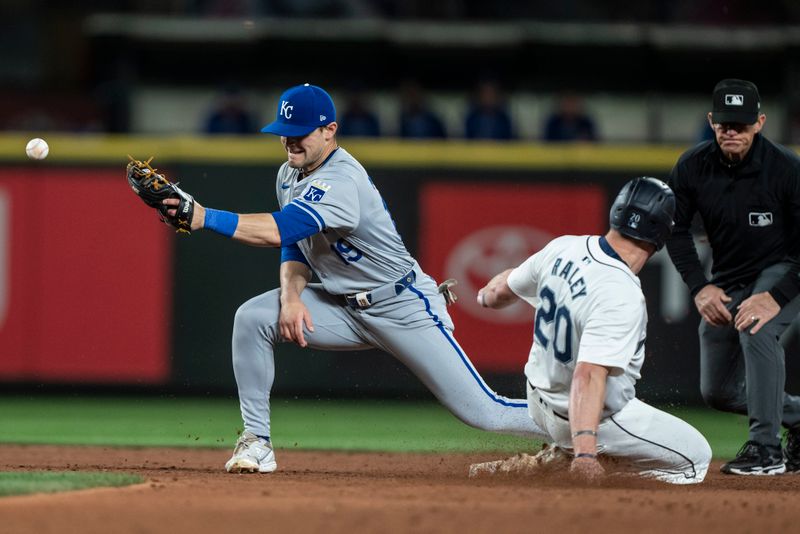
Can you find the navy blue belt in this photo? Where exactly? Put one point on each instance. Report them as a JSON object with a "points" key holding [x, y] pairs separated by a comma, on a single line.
{"points": [[365, 299]]}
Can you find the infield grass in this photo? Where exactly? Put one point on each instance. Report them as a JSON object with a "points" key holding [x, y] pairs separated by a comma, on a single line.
{"points": [[21, 483], [373, 425]]}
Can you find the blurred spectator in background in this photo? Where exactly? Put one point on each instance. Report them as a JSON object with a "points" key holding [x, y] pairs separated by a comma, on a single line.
{"points": [[358, 120], [230, 114], [229, 8], [488, 117], [417, 121], [705, 132], [569, 122], [793, 127], [112, 94]]}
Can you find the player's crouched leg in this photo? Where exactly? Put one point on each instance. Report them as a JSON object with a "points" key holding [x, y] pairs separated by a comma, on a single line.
{"points": [[256, 322], [255, 333], [656, 444]]}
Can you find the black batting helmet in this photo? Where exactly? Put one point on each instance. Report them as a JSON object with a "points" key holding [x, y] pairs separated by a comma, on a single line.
{"points": [[644, 210]]}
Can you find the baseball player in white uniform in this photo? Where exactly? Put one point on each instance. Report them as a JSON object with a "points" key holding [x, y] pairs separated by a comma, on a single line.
{"points": [[334, 223], [589, 343]]}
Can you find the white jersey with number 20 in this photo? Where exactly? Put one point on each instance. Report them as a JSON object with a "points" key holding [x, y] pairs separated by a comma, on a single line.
{"points": [[589, 308]]}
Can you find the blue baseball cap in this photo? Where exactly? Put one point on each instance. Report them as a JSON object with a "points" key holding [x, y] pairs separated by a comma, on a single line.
{"points": [[301, 109]]}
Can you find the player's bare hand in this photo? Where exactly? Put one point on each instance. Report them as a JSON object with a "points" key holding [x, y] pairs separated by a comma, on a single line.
{"points": [[756, 311], [198, 218], [496, 294], [587, 469], [710, 302], [294, 315]]}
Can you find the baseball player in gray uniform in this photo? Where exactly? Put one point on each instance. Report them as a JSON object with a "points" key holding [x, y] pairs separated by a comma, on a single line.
{"points": [[589, 343], [334, 223]]}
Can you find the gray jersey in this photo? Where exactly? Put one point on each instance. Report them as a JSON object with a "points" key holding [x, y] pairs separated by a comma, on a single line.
{"points": [[339, 223], [336, 222], [358, 247], [589, 308]]}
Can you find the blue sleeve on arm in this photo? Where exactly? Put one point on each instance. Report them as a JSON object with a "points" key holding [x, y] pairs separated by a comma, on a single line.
{"points": [[222, 222], [296, 223], [292, 253]]}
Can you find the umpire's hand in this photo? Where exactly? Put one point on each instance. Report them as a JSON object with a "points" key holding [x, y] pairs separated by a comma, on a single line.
{"points": [[756, 311], [710, 302]]}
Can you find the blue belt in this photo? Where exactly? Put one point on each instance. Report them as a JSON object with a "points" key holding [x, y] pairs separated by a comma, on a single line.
{"points": [[365, 299]]}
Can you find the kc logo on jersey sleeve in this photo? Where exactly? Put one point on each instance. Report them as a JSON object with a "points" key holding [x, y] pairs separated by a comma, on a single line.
{"points": [[315, 191]]}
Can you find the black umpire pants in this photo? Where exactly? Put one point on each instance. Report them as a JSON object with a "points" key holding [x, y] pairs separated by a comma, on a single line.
{"points": [[746, 373]]}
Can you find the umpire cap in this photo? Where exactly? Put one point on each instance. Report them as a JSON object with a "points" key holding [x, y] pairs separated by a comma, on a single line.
{"points": [[735, 101], [301, 110], [644, 209]]}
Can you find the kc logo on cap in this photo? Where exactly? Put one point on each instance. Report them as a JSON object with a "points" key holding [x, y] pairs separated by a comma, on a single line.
{"points": [[301, 110], [286, 109]]}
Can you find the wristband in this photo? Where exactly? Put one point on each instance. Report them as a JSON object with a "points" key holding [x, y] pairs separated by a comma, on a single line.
{"points": [[222, 222], [584, 433], [586, 455], [482, 300]]}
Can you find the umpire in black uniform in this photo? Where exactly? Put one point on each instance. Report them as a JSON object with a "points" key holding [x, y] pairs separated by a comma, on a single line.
{"points": [[746, 190]]}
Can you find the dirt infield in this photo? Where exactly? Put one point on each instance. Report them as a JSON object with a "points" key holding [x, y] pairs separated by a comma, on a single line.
{"points": [[188, 491]]}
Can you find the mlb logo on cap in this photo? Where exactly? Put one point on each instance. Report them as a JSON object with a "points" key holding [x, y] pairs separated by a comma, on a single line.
{"points": [[735, 101], [302, 109]]}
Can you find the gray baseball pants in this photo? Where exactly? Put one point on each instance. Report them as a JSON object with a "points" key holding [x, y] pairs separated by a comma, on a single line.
{"points": [[745, 373], [414, 327]]}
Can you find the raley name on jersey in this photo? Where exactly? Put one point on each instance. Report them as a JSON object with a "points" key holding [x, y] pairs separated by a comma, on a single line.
{"points": [[315, 191], [569, 272]]}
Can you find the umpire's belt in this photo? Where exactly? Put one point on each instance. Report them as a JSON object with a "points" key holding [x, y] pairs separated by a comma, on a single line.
{"points": [[365, 299]]}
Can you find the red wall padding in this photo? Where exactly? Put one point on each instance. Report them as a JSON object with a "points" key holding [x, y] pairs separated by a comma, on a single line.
{"points": [[85, 279], [473, 231]]}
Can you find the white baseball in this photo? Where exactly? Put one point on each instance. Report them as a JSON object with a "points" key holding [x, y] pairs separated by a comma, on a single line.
{"points": [[37, 148]]}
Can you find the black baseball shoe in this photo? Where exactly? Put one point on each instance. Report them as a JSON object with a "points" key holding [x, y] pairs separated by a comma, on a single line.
{"points": [[792, 450], [755, 458]]}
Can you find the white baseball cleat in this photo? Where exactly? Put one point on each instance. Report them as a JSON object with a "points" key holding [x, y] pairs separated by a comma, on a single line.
{"points": [[251, 455]]}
